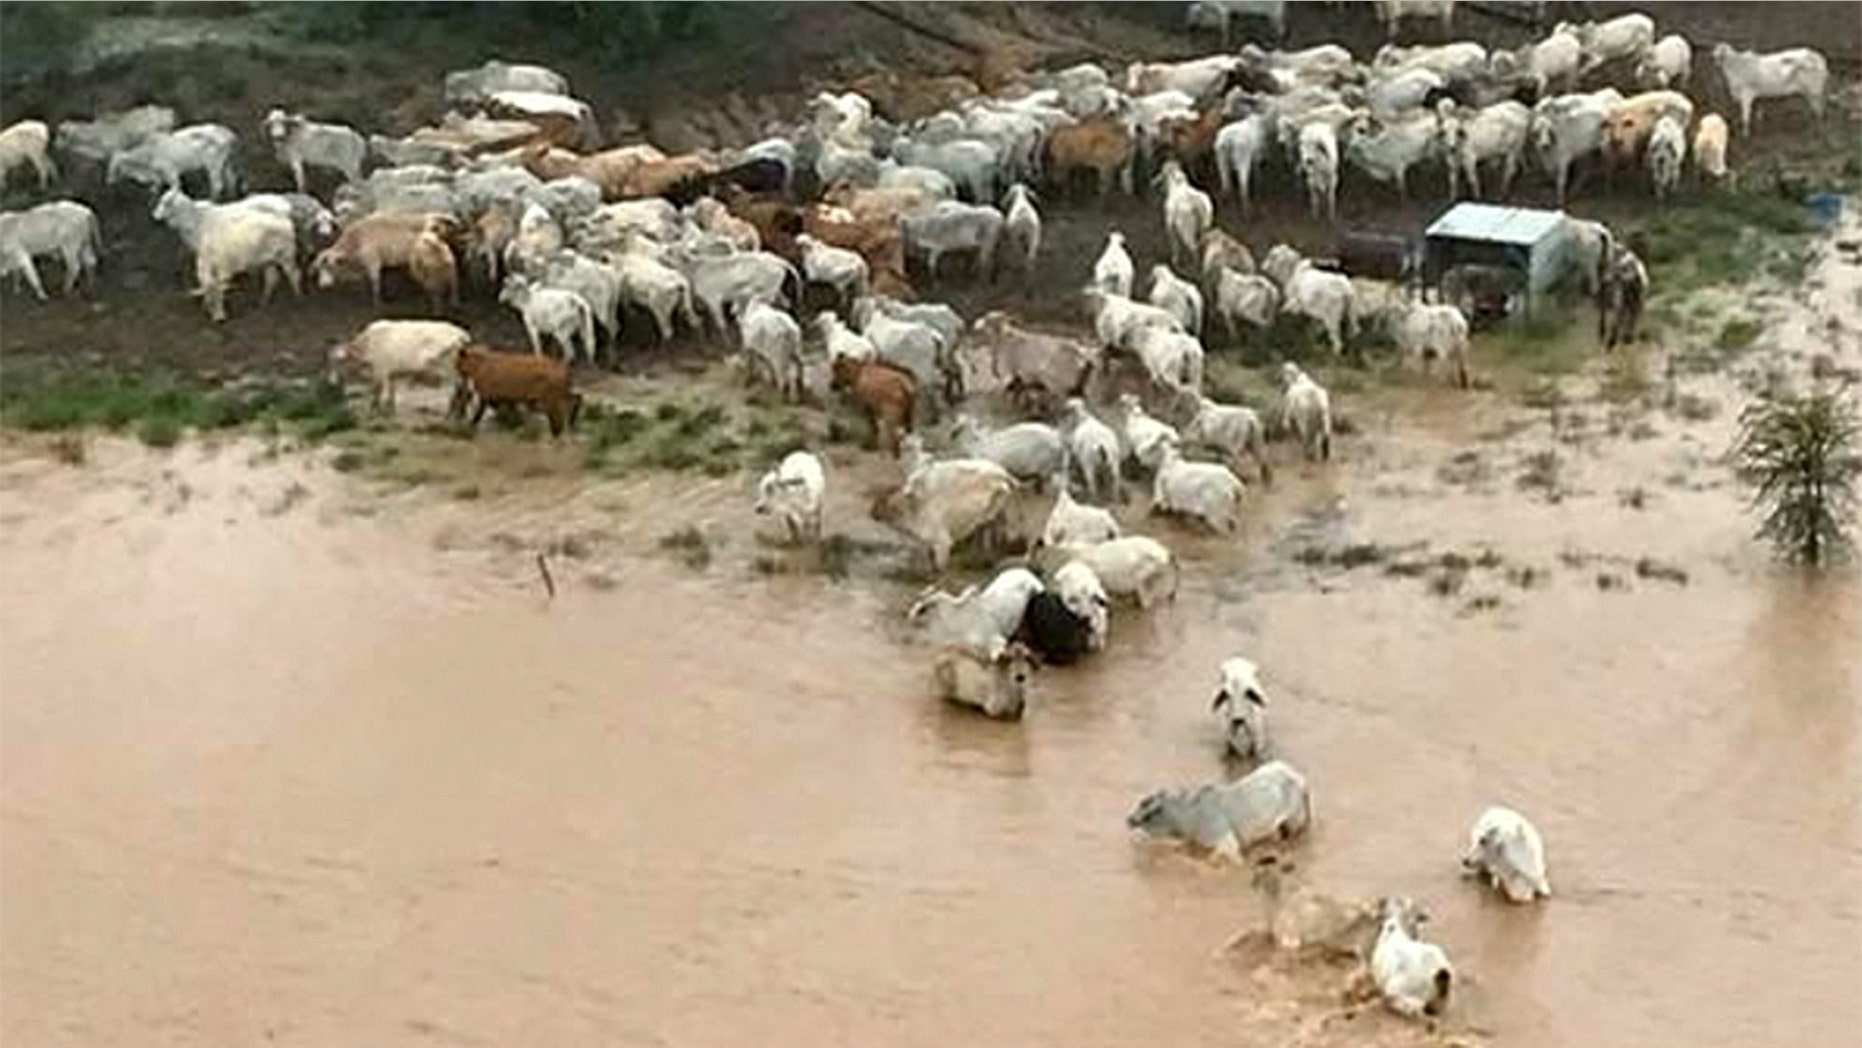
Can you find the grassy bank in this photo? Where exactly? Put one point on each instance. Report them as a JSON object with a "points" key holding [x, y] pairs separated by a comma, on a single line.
{"points": [[160, 407]]}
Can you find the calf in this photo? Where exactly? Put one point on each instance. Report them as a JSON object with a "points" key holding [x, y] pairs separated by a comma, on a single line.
{"points": [[995, 684], [887, 393], [518, 380]]}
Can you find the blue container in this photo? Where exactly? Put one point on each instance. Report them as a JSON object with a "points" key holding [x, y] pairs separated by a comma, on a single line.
{"points": [[1827, 207]]}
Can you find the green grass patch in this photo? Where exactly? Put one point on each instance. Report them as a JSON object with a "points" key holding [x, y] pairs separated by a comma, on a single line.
{"points": [[162, 407], [1738, 334], [1544, 344], [1725, 240], [159, 431]]}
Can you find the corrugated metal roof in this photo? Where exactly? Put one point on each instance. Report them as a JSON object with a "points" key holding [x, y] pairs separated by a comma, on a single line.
{"points": [[1505, 225]]}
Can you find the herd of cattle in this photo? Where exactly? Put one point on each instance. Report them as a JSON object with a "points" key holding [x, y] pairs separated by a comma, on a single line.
{"points": [[854, 206]]}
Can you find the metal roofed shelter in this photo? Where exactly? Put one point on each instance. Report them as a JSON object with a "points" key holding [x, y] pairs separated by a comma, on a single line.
{"points": [[1528, 241]]}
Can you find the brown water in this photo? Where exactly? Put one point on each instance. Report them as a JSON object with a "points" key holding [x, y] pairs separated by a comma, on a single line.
{"points": [[286, 757]]}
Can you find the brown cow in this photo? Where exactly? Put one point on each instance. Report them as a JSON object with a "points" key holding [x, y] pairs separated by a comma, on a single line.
{"points": [[516, 380], [389, 240], [1192, 141], [877, 240], [658, 177], [887, 392], [1101, 145], [773, 216], [610, 169]]}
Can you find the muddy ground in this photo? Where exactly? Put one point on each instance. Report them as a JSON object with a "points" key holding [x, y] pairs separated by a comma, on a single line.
{"points": [[295, 746]]}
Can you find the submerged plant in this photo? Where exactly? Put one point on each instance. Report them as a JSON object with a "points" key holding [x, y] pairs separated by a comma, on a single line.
{"points": [[1801, 455]]}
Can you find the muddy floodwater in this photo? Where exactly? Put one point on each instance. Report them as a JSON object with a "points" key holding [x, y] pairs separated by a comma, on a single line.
{"points": [[288, 757]]}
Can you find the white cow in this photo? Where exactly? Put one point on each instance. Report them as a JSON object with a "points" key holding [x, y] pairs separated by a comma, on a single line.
{"points": [[1093, 450], [393, 349], [1188, 213], [1667, 149], [1507, 851], [772, 343], [302, 143], [1023, 225], [1318, 167], [1428, 333], [1566, 128], [1386, 150], [793, 491], [64, 228], [1207, 491], [1271, 802], [1217, 14], [1177, 295], [1145, 439], [1751, 76], [1667, 63], [1307, 291], [1307, 409], [1394, 12], [1246, 297], [1241, 705], [1626, 38], [950, 225], [1239, 149], [1070, 522], [1495, 132], [1413, 976], [982, 618], [1113, 272], [1235, 429], [1133, 565]]}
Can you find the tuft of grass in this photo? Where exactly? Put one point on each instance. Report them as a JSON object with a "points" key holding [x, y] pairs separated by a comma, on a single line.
{"points": [[467, 492], [1650, 568], [68, 448], [1692, 406], [1544, 343], [348, 460], [689, 545], [1623, 380], [1544, 393], [1541, 472], [1351, 556], [1737, 334], [159, 431]]}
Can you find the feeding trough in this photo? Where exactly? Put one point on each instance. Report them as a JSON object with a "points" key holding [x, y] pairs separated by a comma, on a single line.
{"points": [[1492, 260]]}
